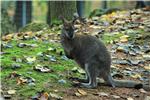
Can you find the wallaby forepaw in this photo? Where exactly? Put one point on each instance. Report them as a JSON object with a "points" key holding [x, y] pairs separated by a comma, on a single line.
{"points": [[87, 85]]}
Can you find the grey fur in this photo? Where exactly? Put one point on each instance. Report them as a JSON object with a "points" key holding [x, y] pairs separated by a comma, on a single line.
{"points": [[91, 55]]}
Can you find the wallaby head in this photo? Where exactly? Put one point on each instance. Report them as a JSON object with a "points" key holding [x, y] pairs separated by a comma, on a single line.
{"points": [[68, 28]]}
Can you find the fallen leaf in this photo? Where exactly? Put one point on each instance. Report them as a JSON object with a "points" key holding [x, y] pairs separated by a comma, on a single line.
{"points": [[81, 71], [21, 45], [51, 58], [146, 57], [52, 49], [16, 66], [7, 37], [32, 45], [64, 58], [40, 54], [44, 96], [74, 69], [56, 96], [18, 60], [6, 45], [120, 48], [121, 61], [124, 38], [6, 96], [130, 98], [103, 94], [43, 69], [142, 91], [38, 95], [82, 92], [147, 67], [137, 76], [14, 74], [132, 53], [11, 92], [30, 60], [78, 94], [31, 84], [21, 81], [147, 98], [134, 62], [115, 96]]}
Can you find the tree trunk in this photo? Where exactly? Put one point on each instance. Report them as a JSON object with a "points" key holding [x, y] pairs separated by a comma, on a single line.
{"points": [[48, 13], [63, 8], [23, 13], [80, 8], [104, 4], [140, 4]]}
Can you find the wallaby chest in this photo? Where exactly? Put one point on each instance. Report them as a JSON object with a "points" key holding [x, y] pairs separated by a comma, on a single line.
{"points": [[81, 48]]}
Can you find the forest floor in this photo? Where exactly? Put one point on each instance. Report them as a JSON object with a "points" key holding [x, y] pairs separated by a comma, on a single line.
{"points": [[33, 64]]}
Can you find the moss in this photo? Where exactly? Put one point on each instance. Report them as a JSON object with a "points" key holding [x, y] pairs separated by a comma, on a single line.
{"points": [[34, 27], [59, 67]]}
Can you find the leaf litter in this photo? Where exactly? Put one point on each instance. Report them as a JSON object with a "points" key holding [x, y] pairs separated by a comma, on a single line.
{"points": [[124, 23]]}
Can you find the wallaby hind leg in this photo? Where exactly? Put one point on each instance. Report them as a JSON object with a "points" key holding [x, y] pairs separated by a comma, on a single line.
{"points": [[109, 80], [91, 73]]}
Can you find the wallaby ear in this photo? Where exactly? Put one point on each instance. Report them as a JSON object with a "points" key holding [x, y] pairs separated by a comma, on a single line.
{"points": [[63, 19], [75, 17]]}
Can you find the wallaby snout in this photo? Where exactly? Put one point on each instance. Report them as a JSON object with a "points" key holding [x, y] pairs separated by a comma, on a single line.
{"points": [[71, 35]]}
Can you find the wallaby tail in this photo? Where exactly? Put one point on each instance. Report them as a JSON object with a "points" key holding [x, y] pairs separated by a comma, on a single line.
{"points": [[130, 84], [126, 83]]}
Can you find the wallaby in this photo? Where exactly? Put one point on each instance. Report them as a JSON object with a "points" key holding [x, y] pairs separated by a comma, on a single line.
{"points": [[91, 55]]}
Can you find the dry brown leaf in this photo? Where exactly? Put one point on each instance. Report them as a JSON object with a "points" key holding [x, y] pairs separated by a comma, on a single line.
{"points": [[82, 92], [21, 81], [136, 76], [147, 67], [78, 94], [124, 38], [44, 96], [7, 37]]}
